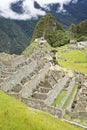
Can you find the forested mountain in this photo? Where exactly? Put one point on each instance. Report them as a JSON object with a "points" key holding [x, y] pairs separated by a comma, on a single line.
{"points": [[79, 31], [15, 35], [49, 28], [12, 37]]}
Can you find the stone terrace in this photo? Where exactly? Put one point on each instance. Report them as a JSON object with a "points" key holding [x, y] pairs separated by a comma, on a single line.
{"points": [[30, 79], [79, 105], [36, 82]]}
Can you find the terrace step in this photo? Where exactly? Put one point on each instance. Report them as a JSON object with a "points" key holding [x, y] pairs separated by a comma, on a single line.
{"points": [[56, 90], [69, 89]]}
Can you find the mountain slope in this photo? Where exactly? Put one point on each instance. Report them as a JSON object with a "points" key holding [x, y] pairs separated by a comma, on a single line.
{"points": [[17, 116], [49, 28], [46, 25], [12, 38], [79, 31], [16, 35], [37, 47]]}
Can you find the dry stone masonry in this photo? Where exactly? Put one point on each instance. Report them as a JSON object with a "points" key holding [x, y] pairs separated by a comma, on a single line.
{"points": [[37, 82], [79, 105]]}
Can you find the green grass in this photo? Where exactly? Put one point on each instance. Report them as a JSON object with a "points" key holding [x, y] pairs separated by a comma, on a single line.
{"points": [[36, 48], [59, 98], [15, 115], [70, 97], [73, 59]]}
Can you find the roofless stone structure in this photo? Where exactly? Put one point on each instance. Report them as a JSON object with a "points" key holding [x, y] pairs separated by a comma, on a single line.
{"points": [[37, 82]]}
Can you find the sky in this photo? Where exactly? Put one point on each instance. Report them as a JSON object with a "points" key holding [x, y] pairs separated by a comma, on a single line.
{"points": [[29, 11]]}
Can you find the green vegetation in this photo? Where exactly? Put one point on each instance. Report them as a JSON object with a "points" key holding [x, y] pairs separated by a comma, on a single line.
{"points": [[73, 59], [58, 38], [82, 38], [16, 35], [79, 31], [61, 95], [54, 60], [12, 38], [15, 115], [37, 48], [59, 98], [51, 30], [47, 24], [70, 97]]}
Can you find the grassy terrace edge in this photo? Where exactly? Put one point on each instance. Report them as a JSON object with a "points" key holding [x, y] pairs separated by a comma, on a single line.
{"points": [[15, 115], [59, 98], [70, 97]]}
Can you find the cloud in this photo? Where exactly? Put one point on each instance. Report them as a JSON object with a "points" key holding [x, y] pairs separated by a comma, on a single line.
{"points": [[29, 11]]}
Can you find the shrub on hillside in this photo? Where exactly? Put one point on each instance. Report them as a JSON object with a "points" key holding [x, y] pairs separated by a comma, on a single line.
{"points": [[82, 38], [58, 38]]}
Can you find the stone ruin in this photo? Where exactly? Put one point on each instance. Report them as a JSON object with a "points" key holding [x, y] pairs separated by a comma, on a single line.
{"points": [[38, 84], [79, 105], [20, 77]]}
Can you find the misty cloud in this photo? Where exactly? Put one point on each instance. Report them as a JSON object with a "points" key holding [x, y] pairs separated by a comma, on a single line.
{"points": [[29, 11]]}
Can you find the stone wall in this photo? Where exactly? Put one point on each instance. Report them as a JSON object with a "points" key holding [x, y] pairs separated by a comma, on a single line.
{"points": [[41, 96], [82, 115], [16, 95], [17, 61], [71, 102], [56, 90], [35, 82], [18, 76], [38, 104], [69, 89], [27, 90]]}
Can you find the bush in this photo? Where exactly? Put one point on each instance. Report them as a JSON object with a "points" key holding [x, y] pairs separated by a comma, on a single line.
{"points": [[54, 60], [58, 38], [82, 38]]}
